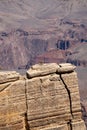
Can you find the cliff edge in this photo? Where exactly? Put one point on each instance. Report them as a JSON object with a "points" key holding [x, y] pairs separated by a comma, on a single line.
{"points": [[46, 99]]}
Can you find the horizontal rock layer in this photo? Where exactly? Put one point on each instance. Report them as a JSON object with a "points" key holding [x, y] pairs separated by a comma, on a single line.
{"points": [[45, 69], [47, 99]]}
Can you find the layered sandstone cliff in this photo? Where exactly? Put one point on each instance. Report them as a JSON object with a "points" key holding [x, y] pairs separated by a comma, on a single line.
{"points": [[46, 99]]}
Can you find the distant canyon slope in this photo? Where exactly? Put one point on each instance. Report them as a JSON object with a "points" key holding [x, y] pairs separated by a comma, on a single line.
{"points": [[35, 31]]}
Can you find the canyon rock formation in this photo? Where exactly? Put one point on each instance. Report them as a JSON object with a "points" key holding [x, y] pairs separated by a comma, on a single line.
{"points": [[47, 98], [31, 30]]}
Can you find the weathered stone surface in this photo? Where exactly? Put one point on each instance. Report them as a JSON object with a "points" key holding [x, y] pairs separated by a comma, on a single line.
{"points": [[12, 102], [71, 83], [53, 127], [49, 100], [78, 125], [8, 76], [42, 70], [66, 68], [12, 122]]}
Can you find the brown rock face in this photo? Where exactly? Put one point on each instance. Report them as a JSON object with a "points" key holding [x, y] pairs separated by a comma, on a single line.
{"points": [[12, 101], [48, 99]]}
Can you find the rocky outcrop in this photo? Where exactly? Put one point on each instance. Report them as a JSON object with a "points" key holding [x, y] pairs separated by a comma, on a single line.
{"points": [[46, 99], [12, 101]]}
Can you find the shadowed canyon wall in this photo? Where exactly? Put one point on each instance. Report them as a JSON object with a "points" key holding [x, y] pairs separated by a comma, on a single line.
{"points": [[31, 30], [46, 99]]}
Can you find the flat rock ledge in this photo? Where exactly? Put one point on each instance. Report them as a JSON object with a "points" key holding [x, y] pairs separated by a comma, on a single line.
{"points": [[50, 68], [9, 76], [46, 99]]}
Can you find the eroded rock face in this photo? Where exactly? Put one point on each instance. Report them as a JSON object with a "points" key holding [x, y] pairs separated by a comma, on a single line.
{"points": [[47, 99], [12, 101]]}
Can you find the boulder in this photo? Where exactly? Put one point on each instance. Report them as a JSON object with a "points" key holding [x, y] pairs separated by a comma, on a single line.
{"points": [[42, 70], [66, 68]]}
